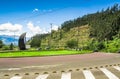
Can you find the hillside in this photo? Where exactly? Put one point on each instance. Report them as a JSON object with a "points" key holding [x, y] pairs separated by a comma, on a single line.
{"points": [[97, 31], [80, 34]]}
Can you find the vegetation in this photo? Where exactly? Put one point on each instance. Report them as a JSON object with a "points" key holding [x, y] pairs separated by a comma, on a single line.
{"points": [[72, 44], [112, 45], [91, 32], [11, 46], [40, 53], [1, 43], [106, 24], [36, 40], [5, 47], [103, 25]]}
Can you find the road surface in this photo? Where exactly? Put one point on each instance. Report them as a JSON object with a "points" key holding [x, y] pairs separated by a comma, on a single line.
{"points": [[85, 66]]}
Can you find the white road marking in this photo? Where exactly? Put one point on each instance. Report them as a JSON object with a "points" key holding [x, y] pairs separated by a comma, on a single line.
{"points": [[88, 74], [117, 68], [14, 68], [16, 77], [66, 75], [11, 69], [44, 66], [108, 73], [42, 76]]}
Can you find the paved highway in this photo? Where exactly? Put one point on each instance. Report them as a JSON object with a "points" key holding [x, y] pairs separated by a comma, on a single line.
{"points": [[87, 66]]}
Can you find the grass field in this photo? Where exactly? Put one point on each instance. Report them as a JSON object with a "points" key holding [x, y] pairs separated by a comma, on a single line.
{"points": [[40, 53]]}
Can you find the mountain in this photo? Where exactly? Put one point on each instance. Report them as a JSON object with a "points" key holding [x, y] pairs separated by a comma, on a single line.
{"points": [[9, 39]]}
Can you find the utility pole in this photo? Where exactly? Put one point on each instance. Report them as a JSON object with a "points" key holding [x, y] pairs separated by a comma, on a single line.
{"points": [[50, 34], [51, 29], [60, 35], [78, 39]]}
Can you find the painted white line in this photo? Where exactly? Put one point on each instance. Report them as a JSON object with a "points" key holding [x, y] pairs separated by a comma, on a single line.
{"points": [[66, 75], [117, 68], [44, 66], [108, 73], [11, 69], [16, 77], [42, 76], [14, 68], [88, 74]]}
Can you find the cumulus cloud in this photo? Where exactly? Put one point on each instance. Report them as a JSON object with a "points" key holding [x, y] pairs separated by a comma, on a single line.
{"points": [[35, 10], [10, 27], [34, 29], [55, 27]]}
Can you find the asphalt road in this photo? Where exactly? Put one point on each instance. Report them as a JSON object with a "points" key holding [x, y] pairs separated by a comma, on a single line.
{"points": [[85, 66]]}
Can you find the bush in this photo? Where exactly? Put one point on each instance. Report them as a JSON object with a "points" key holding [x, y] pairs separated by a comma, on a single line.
{"points": [[118, 51], [95, 50], [92, 45], [113, 45], [100, 46], [95, 45], [72, 44], [5, 48], [35, 42]]}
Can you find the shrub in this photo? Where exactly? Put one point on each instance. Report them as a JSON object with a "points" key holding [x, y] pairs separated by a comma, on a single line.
{"points": [[95, 50], [5, 48], [95, 45], [72, 44], [92, 45], [112, 45], [100, 46], [118, 51]]}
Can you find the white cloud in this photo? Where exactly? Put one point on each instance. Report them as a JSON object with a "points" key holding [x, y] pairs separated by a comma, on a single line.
{"points": [[10, 27], [17, 29], [34, 29], [55, 27], [35, 10]]}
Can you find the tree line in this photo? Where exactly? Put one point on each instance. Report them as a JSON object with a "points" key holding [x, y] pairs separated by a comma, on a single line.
{"points": [[103, 24]]}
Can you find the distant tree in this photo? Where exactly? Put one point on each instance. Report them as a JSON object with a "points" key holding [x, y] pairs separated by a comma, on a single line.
{"points": [[1, 43], [36, 41], [106, 24], [11, 46]]}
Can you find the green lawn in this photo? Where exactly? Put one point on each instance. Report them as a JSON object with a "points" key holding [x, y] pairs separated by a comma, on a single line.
{"points": [[40, 53]]}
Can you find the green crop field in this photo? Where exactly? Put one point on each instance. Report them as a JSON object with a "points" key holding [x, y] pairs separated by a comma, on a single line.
{"points": [[41, 53]]}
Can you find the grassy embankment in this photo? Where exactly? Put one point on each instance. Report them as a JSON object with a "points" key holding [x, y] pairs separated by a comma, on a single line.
{"points": [[40, 53], [55, 41]]}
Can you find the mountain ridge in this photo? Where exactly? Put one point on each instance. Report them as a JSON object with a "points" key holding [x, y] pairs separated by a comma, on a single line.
{"points": [[9, 39]]}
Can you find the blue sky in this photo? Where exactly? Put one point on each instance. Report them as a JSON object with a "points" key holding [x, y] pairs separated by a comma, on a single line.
{"points": [[35, 16]]}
